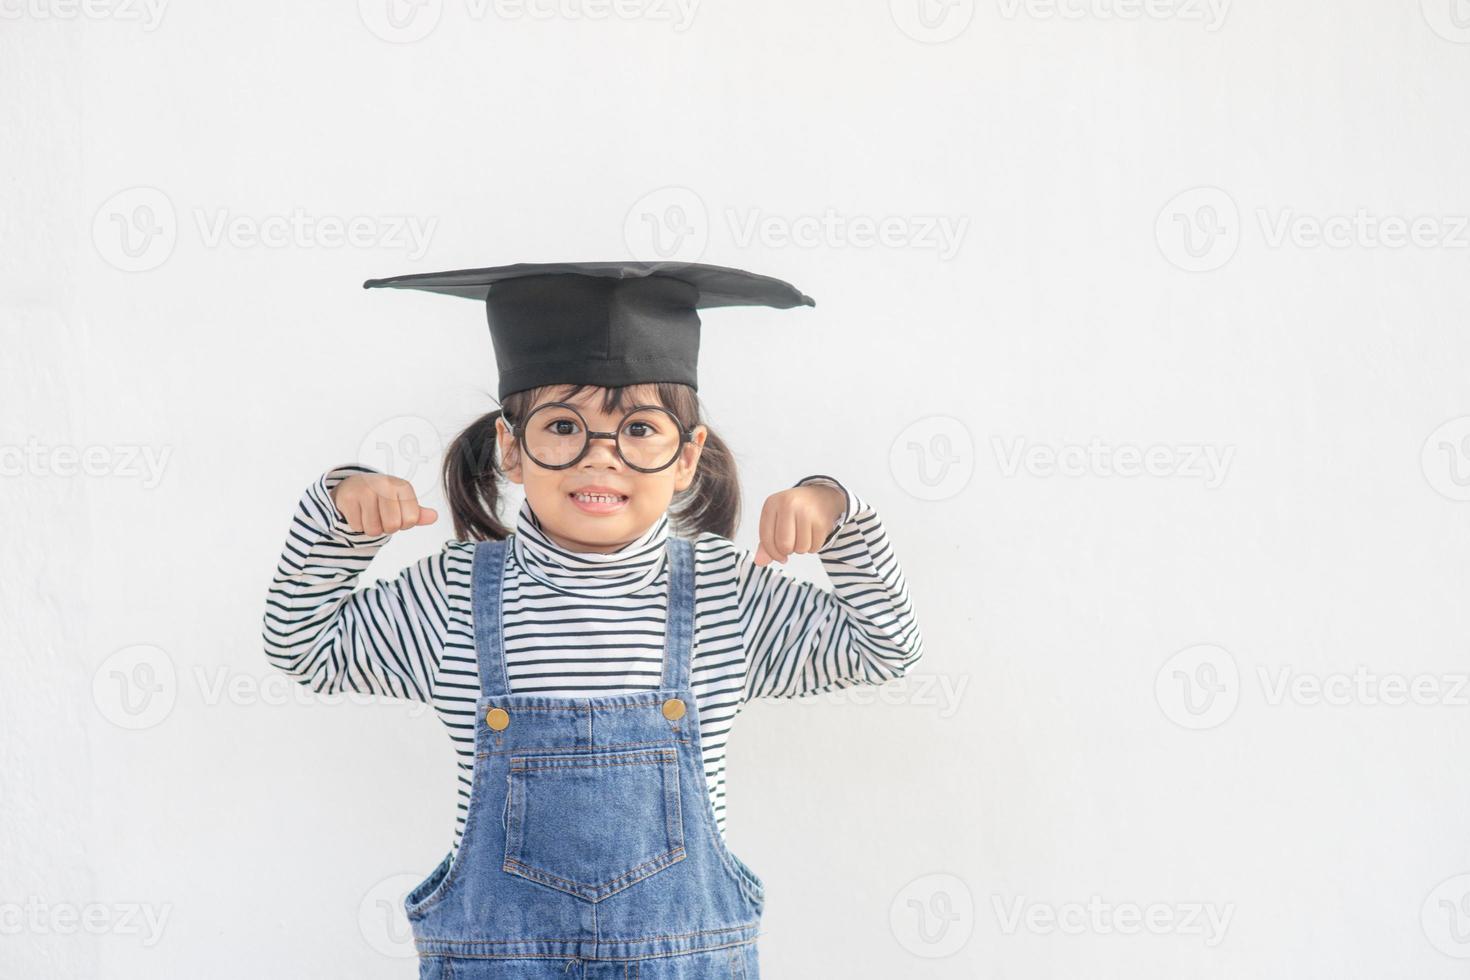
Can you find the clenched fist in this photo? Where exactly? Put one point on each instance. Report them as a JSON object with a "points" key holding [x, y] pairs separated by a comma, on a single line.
{"points": [[797, 521], [375, 503]]}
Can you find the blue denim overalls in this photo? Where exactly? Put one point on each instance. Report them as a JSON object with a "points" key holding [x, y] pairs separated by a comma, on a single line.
{"points": [[590, 849]]}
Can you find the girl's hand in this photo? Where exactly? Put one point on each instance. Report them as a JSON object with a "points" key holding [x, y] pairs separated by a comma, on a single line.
{"points": [[375, 503], [797, 521]]}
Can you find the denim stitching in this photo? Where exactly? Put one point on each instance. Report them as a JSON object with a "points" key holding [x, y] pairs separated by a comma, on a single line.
{"points": [[580, 939], [641, 705], [552, 749], [518, 764], [530, 871], [466, 954]]}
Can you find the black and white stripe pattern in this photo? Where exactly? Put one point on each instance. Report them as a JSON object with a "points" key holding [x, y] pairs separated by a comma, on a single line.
{"points": [[579, 625]]}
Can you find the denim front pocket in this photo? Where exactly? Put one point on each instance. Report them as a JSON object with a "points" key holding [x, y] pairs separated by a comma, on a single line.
{"points": [[592, 823]]}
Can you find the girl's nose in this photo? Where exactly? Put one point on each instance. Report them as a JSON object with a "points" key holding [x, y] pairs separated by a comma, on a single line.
{"points": [[602, 452]]}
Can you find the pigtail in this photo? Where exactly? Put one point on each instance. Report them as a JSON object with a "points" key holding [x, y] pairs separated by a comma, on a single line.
{"points": [[472, 482]]}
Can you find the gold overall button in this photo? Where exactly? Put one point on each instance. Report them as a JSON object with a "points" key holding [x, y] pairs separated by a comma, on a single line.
{"points": [[674, 709], [497, 718]]}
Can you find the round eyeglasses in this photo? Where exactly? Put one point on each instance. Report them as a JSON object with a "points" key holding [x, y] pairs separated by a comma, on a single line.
{"points": [[556, 436]]}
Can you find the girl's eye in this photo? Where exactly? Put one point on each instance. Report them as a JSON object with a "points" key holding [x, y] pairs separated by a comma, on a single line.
{"points": [[640, 429], [562, 427]]}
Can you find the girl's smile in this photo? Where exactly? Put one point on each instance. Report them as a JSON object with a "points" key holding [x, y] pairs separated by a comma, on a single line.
{"points": [[598, 499]]}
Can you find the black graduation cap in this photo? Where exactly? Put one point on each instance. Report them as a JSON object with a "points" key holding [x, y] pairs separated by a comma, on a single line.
{"points": [[601, 323]]}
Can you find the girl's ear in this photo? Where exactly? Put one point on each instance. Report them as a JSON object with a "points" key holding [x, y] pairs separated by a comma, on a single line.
{"points": [[510, 456], [689, 460]]}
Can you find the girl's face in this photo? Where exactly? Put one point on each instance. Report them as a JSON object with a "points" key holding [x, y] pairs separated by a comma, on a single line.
{"points": [[642, 497]]}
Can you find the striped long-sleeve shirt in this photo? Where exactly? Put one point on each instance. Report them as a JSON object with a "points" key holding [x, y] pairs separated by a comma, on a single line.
{"points": [[585, 624]]}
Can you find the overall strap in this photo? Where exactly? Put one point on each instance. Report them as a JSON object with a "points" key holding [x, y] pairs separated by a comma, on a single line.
{"points": [[679, 621], [485, 611]]}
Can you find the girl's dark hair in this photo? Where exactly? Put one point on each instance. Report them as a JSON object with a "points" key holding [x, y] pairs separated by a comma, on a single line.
{"points": [[472, 480]]}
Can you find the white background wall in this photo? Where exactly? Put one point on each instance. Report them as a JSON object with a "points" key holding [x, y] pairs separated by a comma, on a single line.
{"points": [[1114, 734]]}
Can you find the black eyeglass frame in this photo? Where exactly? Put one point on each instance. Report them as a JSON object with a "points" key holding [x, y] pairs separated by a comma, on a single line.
{"points": [[516, 430]]}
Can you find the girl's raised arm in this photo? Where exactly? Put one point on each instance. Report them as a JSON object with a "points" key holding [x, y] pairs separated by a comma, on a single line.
{"points": [[386, 638], [801, 639]]}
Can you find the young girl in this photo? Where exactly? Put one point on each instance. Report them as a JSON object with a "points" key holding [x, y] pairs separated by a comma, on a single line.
{"points": [[590, 662]]}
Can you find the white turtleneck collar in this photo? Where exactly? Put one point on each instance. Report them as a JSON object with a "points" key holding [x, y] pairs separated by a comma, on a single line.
{"points": [[621, 572]]}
